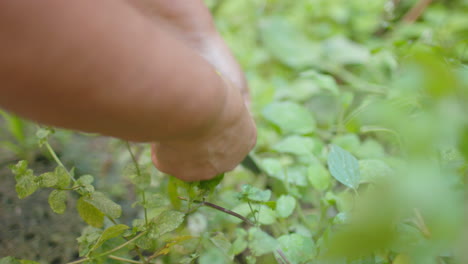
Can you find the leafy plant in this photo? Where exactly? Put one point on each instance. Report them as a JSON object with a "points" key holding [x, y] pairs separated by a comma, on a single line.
{"points": [[362, 148]]}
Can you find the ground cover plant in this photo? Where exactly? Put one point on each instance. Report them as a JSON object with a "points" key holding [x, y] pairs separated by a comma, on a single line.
{"points": [[362, 153]]}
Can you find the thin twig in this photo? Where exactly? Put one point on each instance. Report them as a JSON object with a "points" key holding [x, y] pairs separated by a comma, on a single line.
{"points": [[222, 209], [416, 11], [122, 246], [138, 171], [109, 251], [124, 259], [57, 160], [283, 256]]}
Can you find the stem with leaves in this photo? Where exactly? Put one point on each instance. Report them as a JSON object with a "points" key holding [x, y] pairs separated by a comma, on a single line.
{"points": [[138, 171], [282, 260], [110, 251], [57, 160]]}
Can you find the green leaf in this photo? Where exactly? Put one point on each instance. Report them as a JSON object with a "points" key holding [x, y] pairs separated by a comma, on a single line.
{"points": [[212, 255], [210, 185], [341, 50], [104, 204], [266, 216], [349, 142], [63, 179], [372, 170], [240, 244], [46, 180], [25, 179], [28, 262], [85, 179], [43, 134], [290, 117], [221, 242], [9, 260], [12, 260], [141, 180], [297, 248], [89, 213], [296, 145], [87, 239], [285, 206], [261, 243], [252, 193], [57, 201], [295, 174], [166, 222], [323, 81], [318, 176], [109, 233], [344, 167], [288, 44]]}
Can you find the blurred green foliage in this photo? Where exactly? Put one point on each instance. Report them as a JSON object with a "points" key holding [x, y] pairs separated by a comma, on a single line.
{"points": [[363, 145]]}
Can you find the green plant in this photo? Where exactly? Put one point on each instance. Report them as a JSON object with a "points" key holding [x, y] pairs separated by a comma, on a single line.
{"points": [[362, 147]]}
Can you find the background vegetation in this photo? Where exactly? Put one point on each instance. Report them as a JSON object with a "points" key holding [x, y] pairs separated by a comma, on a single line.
{"points": [[362, 150]]}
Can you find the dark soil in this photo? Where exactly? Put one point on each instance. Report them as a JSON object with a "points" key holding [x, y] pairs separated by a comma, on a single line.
{"points": [[29, 229]]}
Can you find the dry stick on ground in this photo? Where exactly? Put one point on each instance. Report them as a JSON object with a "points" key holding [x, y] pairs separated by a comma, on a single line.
{"points": [[246, 220], [416, 11]]}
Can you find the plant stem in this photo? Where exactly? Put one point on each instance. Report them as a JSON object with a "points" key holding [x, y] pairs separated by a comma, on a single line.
{"points": [[253, 212], [122, 246], [283, 256], [124, 259], [57, 160], [222, 209], [138, 171], [416, 11], [109, 251]]}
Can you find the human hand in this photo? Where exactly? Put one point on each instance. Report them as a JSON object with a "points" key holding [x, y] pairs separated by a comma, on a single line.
{"points": [[219, 150], [192, 23], [223, 147]]}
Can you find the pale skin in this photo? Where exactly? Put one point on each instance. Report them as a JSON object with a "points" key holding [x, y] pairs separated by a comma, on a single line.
{"points": [[146, 71]]}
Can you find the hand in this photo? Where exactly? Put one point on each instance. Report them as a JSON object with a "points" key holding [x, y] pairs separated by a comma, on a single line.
{"points": [[223, 147], [217, 151], [191, 22]]}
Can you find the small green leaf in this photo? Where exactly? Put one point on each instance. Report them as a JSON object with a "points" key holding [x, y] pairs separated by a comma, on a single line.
{"points": [[85, 179], [372, 170], [109, 233], [166, 222], [341, 50], [323, 81], [25, 179], [87, 239], [261, 243], [221, 242], [43, 135], [104, 204], [9, 260], [240, 244], [63, 179], [290, 117], [212, 255], [141, 179], [344, 167], [46, 180], [252, 193], [296, 145], [266, 216], [28, 262], [318, 176], [89, 213], [285, 206], [297, 248], [209, 185], [288, 44], [57, 201]]}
